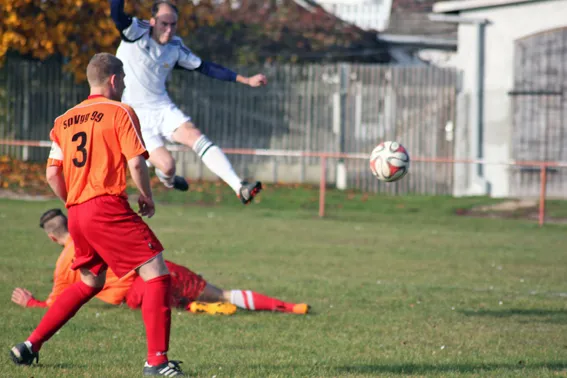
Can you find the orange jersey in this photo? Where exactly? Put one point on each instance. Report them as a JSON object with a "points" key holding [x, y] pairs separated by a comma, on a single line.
{"points": [[92, 142], [113, 292]]}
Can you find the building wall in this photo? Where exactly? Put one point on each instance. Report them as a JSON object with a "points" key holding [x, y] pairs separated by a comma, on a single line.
{"points": [[366, 14], [508, 24]]}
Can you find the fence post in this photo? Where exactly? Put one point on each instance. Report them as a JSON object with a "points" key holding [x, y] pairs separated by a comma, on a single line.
{"points": [[322, 186], [27, 110], [344, 78], [543, 187]]}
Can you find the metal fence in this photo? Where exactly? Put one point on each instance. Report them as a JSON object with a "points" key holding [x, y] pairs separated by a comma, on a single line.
{"points": [[344, 108], [32, 95], [539, 102]]}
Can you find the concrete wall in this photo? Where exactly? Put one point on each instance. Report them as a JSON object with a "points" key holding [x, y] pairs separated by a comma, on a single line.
{"points": [[507, 24]]}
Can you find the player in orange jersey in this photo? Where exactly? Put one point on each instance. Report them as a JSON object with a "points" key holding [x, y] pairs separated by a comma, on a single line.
{"points": [[54, 222], [189, 290], [94, 143]]}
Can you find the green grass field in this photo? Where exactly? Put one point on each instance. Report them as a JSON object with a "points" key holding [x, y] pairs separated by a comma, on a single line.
{"points": [[399, 287]]}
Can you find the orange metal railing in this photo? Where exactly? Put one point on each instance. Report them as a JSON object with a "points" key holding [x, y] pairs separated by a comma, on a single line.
{"points": [[324, 156]]}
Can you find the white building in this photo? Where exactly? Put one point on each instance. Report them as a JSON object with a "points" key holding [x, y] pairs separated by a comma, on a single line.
{"points": [[366, 14], [512, 55]]}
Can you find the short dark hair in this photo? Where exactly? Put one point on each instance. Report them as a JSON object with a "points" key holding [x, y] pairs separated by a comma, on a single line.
{"points": [[53, 221], [157, 3], [49, 215], [101, 67]]}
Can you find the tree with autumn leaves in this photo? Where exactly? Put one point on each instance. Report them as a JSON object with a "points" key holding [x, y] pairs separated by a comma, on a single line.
{"points": [[73, 29], [299, 31], [41, 29], [255, 32]]}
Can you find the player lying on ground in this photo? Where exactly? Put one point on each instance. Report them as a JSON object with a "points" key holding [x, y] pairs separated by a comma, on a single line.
{"points": [[189, 290], [150, 50]]}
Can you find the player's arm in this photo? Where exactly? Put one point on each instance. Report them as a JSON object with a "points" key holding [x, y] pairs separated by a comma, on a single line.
{"points": [[56, 180], [121, 19], [189, 61], [130, 28], [140, 175], [24, 298], [54, 170], [133, 148], [216, 71]]}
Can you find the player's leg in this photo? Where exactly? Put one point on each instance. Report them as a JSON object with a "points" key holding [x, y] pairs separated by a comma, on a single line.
{"points": [[160, 157], [212, 156], [62, 310], [250, 300], [127, 243], [93, 275], [156, 310], [211, 301], [135, 294], [186, 287]]}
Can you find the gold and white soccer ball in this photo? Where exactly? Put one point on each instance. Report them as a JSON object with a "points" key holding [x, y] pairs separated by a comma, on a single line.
{"points": [[389, 161]]}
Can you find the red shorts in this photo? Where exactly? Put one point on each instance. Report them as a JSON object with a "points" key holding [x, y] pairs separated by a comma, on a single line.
{"points": [[186, 287], [107, 232]]}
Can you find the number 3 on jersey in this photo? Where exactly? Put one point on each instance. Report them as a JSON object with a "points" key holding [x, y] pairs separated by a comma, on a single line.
{"points": [[82, 138]]}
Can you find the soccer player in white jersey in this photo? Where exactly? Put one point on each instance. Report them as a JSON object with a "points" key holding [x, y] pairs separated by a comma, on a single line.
{"points": [[150, 50]]}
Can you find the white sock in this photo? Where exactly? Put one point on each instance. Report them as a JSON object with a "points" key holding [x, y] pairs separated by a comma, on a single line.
{"points": [[166, 180], [217, 162], [242, 299]]}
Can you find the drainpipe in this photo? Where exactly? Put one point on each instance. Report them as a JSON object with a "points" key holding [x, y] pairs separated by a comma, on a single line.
{"points": [[480, 24]]}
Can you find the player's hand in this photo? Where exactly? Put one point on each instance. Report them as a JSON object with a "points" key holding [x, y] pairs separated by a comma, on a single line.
{"points": [[146, 206], [21, 296], [257, 81]]}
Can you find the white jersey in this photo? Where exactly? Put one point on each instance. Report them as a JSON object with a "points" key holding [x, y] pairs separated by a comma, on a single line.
{"points": [[147, 64]]}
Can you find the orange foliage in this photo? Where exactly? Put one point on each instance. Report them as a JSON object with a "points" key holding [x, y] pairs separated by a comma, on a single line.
{"points": [[29, 177], [22, 177], [74, 29], [258, 31]]}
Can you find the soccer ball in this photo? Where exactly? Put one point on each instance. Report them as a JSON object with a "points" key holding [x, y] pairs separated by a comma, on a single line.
{"points": [[389, 161]]}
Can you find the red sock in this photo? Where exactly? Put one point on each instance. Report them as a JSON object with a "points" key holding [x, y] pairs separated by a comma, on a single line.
{"points": [[250, 300], [156, 312], [63, 309]]}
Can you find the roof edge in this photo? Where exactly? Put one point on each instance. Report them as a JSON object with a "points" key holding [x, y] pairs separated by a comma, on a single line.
{"points": [[459, 5]]}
